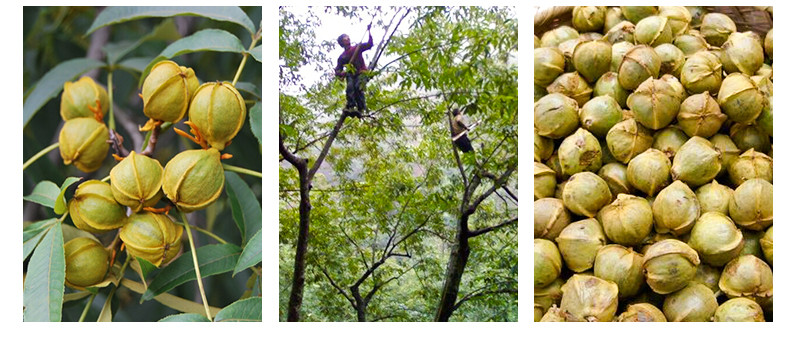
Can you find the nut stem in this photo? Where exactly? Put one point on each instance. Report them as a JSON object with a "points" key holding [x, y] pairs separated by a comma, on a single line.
{"points": [[197, 267]]}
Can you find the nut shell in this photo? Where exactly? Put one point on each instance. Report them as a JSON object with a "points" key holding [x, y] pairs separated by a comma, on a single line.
{"points": [[670, 265], [86, 262], [628, 220], [136, 181], [642, 312], [94, 209], [739, 310], [649, 171], [752, 205], [675, 209], [78, 96], [167, 91], [694, 303], [622, 266], [585, 194], [579, 243], [747, 276], [697, 162], [153, 237], [579, 152], [548, 263], [218, 111], [551, 217], [83, 141], [588, 299], [556, 116], [716, 239]]}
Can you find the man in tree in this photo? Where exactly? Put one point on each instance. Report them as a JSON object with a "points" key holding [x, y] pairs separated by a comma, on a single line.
{"points": [[355, 78], [459, 132]]}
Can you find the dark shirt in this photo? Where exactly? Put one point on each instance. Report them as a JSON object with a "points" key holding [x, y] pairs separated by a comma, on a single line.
{"points": [[358, 61]]}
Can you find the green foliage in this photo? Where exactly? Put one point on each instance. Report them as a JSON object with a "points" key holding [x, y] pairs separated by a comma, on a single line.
{"points": [[385, 202], [115, 46]]}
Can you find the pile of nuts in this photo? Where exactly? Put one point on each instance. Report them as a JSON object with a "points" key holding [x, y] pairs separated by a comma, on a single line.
{"points": [[191, 180], [653, 168]]}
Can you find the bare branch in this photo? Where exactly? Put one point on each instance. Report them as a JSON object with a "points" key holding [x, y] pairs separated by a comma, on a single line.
{"points": [[327, 146], [497, 184], [481, 293]]}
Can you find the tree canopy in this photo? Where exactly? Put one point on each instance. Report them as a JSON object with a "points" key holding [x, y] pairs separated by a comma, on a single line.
{"points": [[381, 217]]}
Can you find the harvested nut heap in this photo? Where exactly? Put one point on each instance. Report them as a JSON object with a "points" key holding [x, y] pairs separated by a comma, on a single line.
{"points": [[653, 168]]}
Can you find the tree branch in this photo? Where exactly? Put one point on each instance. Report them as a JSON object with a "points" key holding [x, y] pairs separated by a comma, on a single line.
{"points": [[339, 289], [497, 184], [478, 232], [327, 146], [479, 294]]}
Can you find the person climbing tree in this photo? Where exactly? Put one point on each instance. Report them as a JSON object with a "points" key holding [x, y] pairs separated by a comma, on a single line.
{"points": [[356, 77], [459, 132]]}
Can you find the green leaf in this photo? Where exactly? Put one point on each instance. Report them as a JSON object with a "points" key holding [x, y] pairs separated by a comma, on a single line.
{"points": [[249, 88], [212, 259], [52, 83], [205, 40], [257, 53], [251, 255], [244, 206], [166, 31], [185, 317], [145, 267], [34, 233], [46, 273], [70, 232], [61, 206], [44, 193], [256, 121], [120, 14], [245, 310]]}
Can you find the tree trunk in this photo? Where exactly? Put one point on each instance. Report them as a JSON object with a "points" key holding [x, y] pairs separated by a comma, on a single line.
{"points": [[297, 288], [361, 315], [455, 270]]}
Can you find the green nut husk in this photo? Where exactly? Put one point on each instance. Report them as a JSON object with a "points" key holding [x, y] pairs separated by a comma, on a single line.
{"points": [[566, 48], [697, 162], [193, 179], [700, 115], [751, 243], [751, 164], [556, 116], [614, 173], [80, 97], [608, 85], [579, 152], [649, 171], [551, 217], [83, 142], [167, 91], [614, 16], [768, 45], [669, 140], [639, 63], [621, 32], [690, 43], [767, 245], [579, 243], [588, 18], [600, 114], [94, 209], [694, 303], [752, 204], [670, 265], [675, 209], [701, 73], [714, 197], [136, 181], [672, 59], [642, 312], [554, 37], [653, 31], [572, 85], [544, 147], [592, 59], [697, 12], [716, 28], [716, 239], [585, 194], [739, 310], [708, 276], [549, 295], [217, 111], [618, 53], [537, 42], [622, 266], [545, 181], [637, 13], [628, 220], [679, 18], [654, 103], [747, 276], [588, 299], [548, 263], [765, 122], [727, 148], [743, 52], [750, 136], [86, 262], [628, 139], [740, 98], [549, 64], [152, 237]]}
